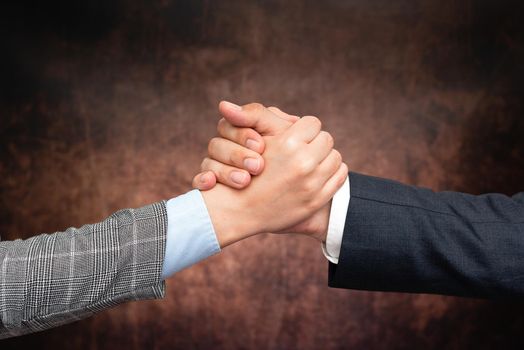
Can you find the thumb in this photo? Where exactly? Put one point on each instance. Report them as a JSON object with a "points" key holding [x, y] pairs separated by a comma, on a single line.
{"points": [[204, 181], [255, 116], [283, 115]]}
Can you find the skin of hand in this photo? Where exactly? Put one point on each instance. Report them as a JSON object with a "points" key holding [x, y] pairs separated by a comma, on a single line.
{"points": [[226, 154], [230, 163], [302, 173]]}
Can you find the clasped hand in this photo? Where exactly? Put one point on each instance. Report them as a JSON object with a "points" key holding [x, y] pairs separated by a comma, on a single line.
{"points": [[269, 171]]}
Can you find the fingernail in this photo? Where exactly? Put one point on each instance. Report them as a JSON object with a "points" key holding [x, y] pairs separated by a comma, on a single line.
{"points": [[253, 144], [252, 164], [233, 106], [204, 178], [238, 177]]}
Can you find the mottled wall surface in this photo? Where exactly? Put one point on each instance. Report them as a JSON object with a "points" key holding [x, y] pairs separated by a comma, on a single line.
{"points": [[110, 104]]}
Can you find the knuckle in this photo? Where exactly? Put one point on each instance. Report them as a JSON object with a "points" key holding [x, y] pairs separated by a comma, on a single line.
{"points": [[221, 126], [214, 142], [317, 121], [310, 186], [300, 169], [337, 156], [212, 145], [242, 136], [313, 121], [274, 109], [330, 140], [291, 144], [304, 165], [310, 164], [236, 156], [254, 107], [205, 164], [222, 173], [314, 203], [341, 179]]}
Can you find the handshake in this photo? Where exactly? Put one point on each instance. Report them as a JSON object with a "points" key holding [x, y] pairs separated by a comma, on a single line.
{"points": [[269, 171]]}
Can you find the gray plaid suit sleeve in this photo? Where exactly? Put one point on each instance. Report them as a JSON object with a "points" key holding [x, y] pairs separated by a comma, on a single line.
{"points": [[53, 279]]}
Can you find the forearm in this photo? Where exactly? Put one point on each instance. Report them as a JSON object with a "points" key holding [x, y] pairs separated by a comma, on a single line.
{"points": [[410, 239], [50, 280]]}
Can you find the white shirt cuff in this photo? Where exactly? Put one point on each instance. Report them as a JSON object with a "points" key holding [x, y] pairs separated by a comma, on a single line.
{"points": [[337, 221]]}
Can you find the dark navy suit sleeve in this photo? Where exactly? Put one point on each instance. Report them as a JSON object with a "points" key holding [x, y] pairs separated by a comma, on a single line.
{"points": [[410, 239]]}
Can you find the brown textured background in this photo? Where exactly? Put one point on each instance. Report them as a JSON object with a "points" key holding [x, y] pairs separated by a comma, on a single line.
{"points": [[110, 104]]}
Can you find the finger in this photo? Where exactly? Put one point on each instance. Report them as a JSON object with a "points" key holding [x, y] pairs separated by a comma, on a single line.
{"points": [[321, 146], [329, 166], [227, 175], [334, 183], [283, 115], [305, 129], [204, 181], [242, 136], [253, 115], [230, 153]]}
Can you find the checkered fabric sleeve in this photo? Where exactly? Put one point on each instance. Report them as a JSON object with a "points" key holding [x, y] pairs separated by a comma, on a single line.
{"points": [[53, 279]]}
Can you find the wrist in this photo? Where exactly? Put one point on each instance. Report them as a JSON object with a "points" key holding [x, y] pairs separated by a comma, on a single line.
{"points": [[320, 223], [228, 214], [316, 226]]}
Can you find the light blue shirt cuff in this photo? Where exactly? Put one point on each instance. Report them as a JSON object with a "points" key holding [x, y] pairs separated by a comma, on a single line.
{"points": [[190, 233]]}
